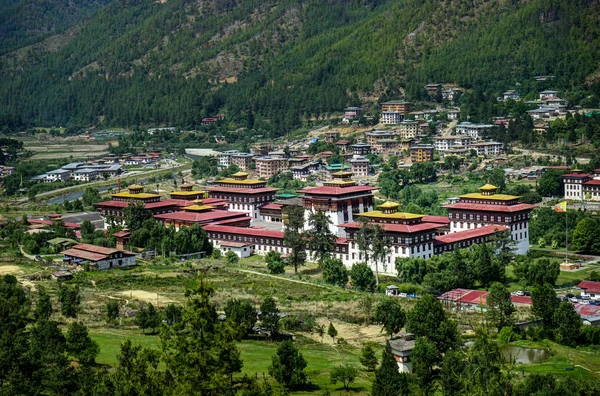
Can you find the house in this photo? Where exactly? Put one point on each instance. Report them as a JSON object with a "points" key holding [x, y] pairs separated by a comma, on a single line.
{"points": [[590, 290], [352, 112], [360, 149], [360, 165], [421, 153], [396, 105], [391, 117], [487, 148], [58, 175], [547, 94], [302, 172], [433, 88], [98, 257], [476, 131], [241, 249], [267, 167], [453, 114], [408, 129], [401, 348], [85, 175], [448, 142], [511, 94]]}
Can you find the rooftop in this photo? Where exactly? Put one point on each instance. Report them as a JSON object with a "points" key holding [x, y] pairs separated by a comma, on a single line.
{"points": [[490, 207], [470, 234]]}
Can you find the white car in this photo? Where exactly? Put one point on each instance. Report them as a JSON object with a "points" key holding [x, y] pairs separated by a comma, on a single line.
{"points": [[403, 295]]}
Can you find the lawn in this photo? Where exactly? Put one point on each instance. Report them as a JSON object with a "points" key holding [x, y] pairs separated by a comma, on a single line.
{"points": [[321, 358]]}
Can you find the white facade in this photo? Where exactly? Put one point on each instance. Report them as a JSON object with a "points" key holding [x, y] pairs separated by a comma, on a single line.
{"points": [[445, 143], [392, 117], [85, 176], [475, 131], [242, 250], [574, 188], [408, 129], [360, 165], [487, 148]]}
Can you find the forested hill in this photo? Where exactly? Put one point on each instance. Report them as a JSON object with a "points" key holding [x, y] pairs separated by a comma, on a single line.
{"points": [[268, 64]]}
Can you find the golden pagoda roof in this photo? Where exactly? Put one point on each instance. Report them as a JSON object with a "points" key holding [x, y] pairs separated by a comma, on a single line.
{"points": [[240, 174], [197, 208], [134, 196], [494, 197], [243, 181], [192, 193], [135, 187], [488, 187], [389, 205], [342, 174], [395, 215]]}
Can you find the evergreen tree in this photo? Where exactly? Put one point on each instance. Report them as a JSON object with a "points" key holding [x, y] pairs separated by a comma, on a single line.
{"points": [[321, 241], [80, 345], [69, 299], [294, 237], [388, 380], [287, 366], [332, 332], [391, 315], [368, 358], [43, 307]]}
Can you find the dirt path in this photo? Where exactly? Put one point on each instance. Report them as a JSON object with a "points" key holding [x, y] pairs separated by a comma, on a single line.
{"points": [[282, 278]]}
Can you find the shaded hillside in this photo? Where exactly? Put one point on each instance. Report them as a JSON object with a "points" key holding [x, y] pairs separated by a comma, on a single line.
{"points": [[268, 64]]}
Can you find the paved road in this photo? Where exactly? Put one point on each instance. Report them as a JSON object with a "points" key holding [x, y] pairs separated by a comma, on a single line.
{"points": [[536, 154]]}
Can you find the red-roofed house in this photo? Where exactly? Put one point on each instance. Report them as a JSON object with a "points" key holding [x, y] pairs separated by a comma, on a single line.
{"points": [[590, 290], [98, 257]]}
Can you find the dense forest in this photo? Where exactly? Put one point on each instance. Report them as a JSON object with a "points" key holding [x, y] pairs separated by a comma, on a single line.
{"points": [[269, 65]]}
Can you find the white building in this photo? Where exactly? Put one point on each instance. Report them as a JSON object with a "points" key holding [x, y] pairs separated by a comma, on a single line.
{"points": [[392, 117], [487, 148], [85, 175], [408, 129], [476, 131], [447, 142], [360, 165], [590, 290]]}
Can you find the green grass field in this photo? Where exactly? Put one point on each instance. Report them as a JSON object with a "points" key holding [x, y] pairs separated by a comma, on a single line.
{"points": [[321, 358]]}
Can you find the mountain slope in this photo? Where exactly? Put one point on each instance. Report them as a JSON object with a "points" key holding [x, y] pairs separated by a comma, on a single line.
{"points": [[269, 63]]}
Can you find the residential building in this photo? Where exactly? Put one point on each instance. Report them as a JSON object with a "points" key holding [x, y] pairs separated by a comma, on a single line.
{"points": [[476, 131], [360, 149], [303, 172], [408, 129], [547, 94], [574, 185], [450, 93], [58, 175], [590, 290], [487, 207], [341, 199], [6, 171], [382, 140], [360, 165], [421, 153], [98, 257], [453, 114], [448, 142], [487, 148], [242, 160], [433, 88], [511, 94], [352, 112], [85, 175], [396, 105], [267, 167], [391, 117], [342, 145]]}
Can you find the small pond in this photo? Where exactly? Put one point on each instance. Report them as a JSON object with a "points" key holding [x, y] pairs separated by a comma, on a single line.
{"points": [[524, 355]]}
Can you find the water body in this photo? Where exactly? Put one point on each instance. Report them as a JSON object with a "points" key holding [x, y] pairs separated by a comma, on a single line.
{"points": [[524, 355]]}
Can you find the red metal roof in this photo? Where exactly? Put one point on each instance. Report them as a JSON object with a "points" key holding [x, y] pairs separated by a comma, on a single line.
{"points": [[234, 244], [521, 300], [330, 190], [96, 249], [272, 206], [475, 297], [241, 190], [74, 226], [244, 231], [234, 220], [491, 208], [592, 182], [470, 234], [576, 175], [113, 204], [121, 234], [587, 309], [589, 286], [402, 228], [168, 202], [83, 254], [202, 217], [342, 142], [341, 241], [435, 219]]}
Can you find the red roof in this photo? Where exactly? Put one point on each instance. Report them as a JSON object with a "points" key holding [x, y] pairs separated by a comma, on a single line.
{"points": [[241, 190], [490, 208], [74, 226], [342, 142], [475, 297], [330, 190], [589, 286], [121, 234], [470, 234], [579, 175], [272, 206], [96, 249], [83, 254], [234, 220], [436, 219], [244, 231], [341, 241], [402, 228], [113, 204], [587, 309], [592, 182], [168, 202], [522, 300], [234, 244], [467, 296], [202, 217]]}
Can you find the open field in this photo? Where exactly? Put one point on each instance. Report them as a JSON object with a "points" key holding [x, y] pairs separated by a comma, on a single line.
{"points": [[55, 151]]}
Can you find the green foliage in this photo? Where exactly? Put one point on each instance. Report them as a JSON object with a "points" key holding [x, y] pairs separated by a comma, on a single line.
{"points": [[287, 366], [551, 183], [507, 335], [586, 236], [154, 235], [390, 314], [112, 311], [43, 306], [368, 358], [293, 235], [332, 331], [69, 300], [537, 271], [80, 345], [241, 314], [345, 374], [362, 277], [544, 303], [335, 272], [321, 241], [231, 257], [567, 323], [216, 254], [173, 314], [135, 215], [274, 262], [269, 315], [424, 356], [148, 318], [388, 380], [500, 307]]}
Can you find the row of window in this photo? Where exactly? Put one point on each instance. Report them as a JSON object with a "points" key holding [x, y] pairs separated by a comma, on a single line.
{"points": [[471, 216]]}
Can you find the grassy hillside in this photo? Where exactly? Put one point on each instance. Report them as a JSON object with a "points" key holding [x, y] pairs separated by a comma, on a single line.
{"points": [[269, 64]]}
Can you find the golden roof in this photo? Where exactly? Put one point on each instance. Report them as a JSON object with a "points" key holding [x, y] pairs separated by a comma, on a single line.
{"points": [[494, 197], [135, 187], [134, 196], [389, 205], [240, 174], [187, 185], [197, 208], [342, 174], [193, 193], [395, 215], [488, 187]]}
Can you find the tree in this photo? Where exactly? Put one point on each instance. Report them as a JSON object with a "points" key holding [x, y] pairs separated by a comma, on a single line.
{"points": [[487, 269], [551, 183], [87, 229], [380, 249], [136, 372], [321, 241], [321, 331], [544, 303], [274, 262], [112, 311], [43, 307], [241, 314], [362, 277], [69, 299], [391, 315], [586, 236], [231, 257], [368, 358], [424, 356], [332, 332], [388, 381], [269, 315], [293, 236], [500, 306], [543, 270], [345, 374], [567, 324], [429, 319], [216, 254], [148, 318], [334, 272], [451, 373], [80, 345], [287, 366], [135, 215], [364, 238], [173, 314]]}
